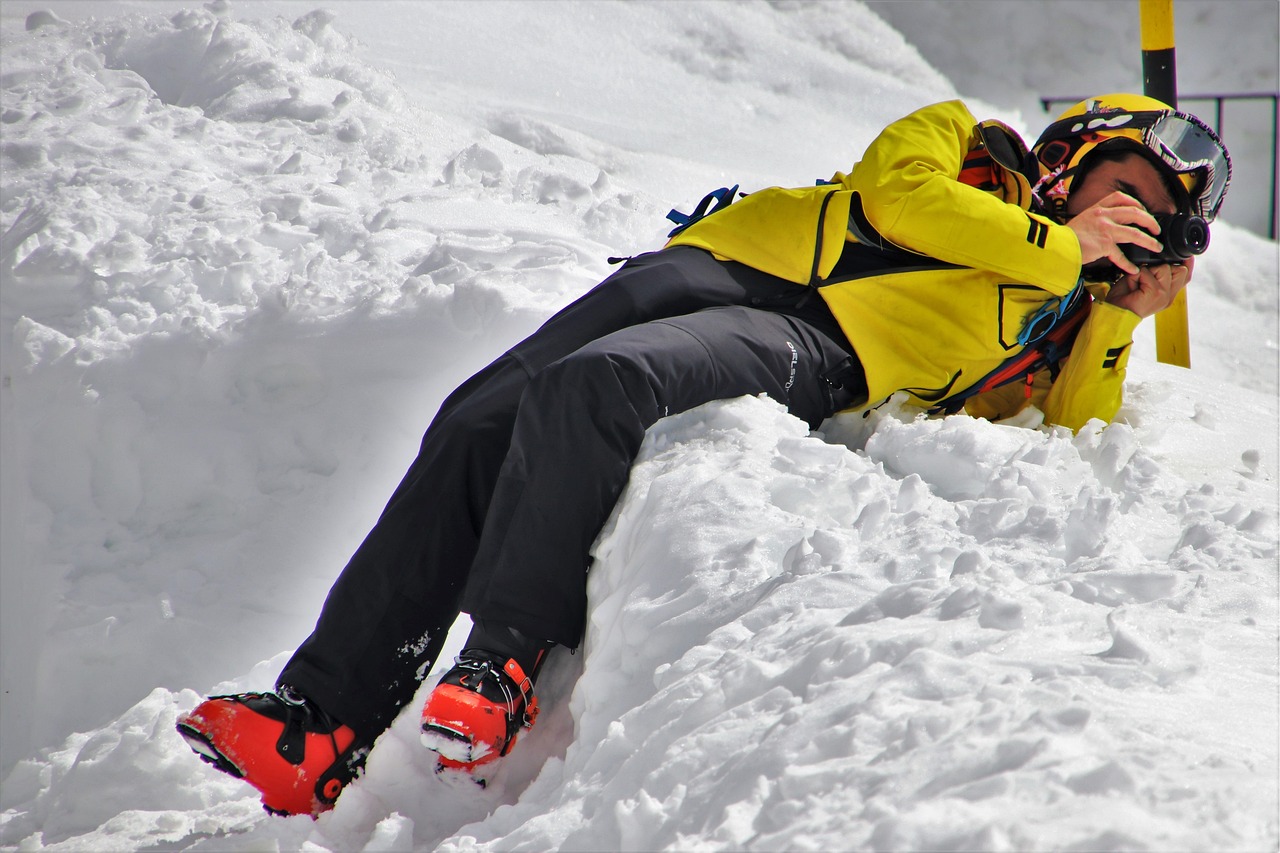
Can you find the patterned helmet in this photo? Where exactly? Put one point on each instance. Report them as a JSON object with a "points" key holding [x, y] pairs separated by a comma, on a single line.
{"points": [[1184, 147]]}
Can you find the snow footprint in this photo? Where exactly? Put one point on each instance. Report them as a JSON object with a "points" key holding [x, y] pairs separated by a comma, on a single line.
{"points": [[475, 165], [543, 186]]}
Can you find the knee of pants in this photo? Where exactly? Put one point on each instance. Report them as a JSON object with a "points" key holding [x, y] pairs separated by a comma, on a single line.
{"points": [[463, 448], [483, 406], [596, 383]]}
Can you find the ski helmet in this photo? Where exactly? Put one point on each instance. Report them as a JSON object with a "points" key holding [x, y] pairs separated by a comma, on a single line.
{"points": [[1180, 144]]}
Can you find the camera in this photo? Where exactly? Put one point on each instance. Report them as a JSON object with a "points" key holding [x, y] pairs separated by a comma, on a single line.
{"points": [[1182, 234]]}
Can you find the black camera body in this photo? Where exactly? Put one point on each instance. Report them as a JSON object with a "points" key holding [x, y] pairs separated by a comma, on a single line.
{"points": [[1182, 234]]}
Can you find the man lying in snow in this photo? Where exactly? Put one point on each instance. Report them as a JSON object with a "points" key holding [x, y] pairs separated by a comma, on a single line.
{"points": [[949, 262]]}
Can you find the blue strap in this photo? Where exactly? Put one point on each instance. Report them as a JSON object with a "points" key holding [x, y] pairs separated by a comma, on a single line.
{"points": [[1049, 315], [1045, 352], [721, 199]]}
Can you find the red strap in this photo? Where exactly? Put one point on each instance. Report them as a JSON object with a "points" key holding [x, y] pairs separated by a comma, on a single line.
{"points": [[525, 683]]}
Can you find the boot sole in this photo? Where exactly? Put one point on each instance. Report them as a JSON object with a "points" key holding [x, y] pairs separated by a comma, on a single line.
{"points": [[450, 744], [210, 754]]}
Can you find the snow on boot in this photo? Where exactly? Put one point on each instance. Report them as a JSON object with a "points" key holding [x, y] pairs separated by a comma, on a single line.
{"points": [[296, 755], [474, 714]]}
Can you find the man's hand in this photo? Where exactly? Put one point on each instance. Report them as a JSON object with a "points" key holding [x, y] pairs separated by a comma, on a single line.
{"points": [[1116, 219], [1152, 289]]}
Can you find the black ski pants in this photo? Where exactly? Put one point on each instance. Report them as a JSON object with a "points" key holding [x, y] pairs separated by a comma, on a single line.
{"points": [[524, 462]]}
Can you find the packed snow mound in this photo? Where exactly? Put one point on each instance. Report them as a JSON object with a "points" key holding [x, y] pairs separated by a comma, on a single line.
{"points": [[906, 650], [914, 634]]}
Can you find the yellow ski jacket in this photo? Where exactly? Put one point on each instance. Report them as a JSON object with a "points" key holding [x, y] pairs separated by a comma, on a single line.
{"points": [[960, 264]]}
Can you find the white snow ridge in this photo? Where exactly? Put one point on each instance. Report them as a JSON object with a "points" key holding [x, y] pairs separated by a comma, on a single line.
{"points": [[242, 265]]}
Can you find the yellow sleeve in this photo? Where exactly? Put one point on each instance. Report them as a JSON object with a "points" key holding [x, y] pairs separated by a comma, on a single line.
{"points": [[907, 181], [1091, 384]]}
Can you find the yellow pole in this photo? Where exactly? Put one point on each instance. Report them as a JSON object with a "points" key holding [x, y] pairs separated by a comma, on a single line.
{"points": [[1160, 81]]}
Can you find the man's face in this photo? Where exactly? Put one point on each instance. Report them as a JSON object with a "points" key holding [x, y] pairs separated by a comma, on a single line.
{"points": [[1133, 175]]}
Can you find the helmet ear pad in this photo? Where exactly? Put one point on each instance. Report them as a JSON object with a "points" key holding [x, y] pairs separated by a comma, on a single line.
{"points": [[1114, 150]]}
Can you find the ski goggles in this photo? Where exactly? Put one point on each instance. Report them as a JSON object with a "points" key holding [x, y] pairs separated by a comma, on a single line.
{"points": [[1048, 315], [1181, 141]]}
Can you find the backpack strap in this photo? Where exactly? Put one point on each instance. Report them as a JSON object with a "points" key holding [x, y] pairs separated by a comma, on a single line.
{"points": [[711, 202]]}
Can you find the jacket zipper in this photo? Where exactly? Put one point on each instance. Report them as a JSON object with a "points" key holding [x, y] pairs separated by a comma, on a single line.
{"points": [[817, 248]]}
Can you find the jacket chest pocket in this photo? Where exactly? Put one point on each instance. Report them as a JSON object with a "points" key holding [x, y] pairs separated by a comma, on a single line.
{"points": [[1016, 302]]}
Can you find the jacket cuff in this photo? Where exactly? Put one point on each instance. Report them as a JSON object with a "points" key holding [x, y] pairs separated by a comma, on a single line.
{"points": [[1114, 322]]}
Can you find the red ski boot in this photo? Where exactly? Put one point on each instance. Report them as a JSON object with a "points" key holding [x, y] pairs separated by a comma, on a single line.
{"points": [[296, 755], [475, 712]]}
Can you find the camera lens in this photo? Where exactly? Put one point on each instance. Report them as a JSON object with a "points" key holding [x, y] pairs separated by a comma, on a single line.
{"points": [[1183, 235]]}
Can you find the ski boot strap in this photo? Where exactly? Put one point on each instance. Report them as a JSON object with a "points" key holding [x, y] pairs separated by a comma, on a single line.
{"points": [[525, 685]]}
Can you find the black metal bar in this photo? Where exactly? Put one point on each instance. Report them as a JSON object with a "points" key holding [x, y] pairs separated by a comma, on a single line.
{"points": [[1230, 96], [1218, 99], [1275, 154]]}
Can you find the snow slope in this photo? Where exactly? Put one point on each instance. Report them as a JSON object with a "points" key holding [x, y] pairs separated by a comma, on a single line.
{"points": [[242, 264]]}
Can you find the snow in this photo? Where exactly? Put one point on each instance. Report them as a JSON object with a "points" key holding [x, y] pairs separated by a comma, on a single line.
{"points": [[247, 249]]}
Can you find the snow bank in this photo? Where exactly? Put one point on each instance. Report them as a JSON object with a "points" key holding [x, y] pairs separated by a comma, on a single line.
{"points": [[236, 265], [850, 643], [962, 636]]}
